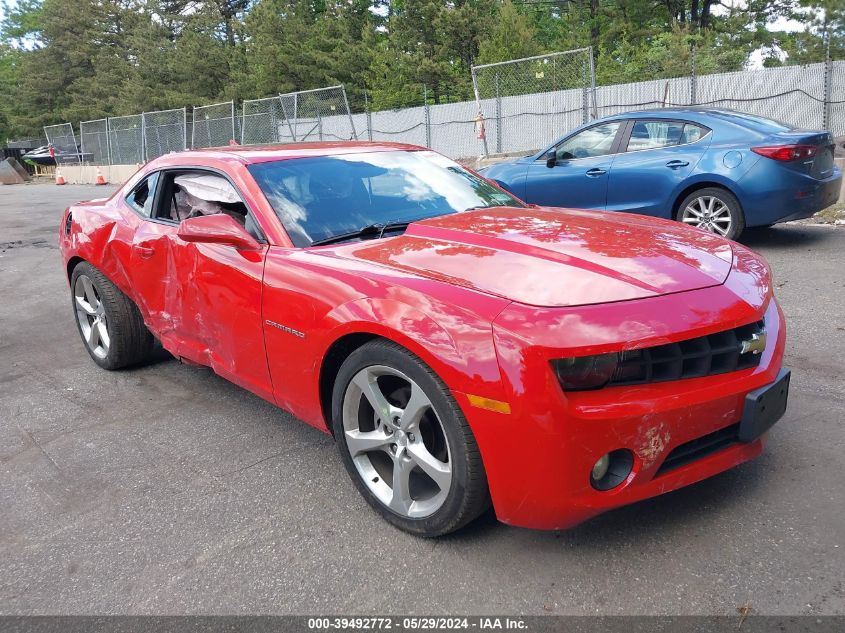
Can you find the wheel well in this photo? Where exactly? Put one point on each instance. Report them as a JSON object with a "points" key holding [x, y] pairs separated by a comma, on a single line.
{"points": [[336, 354], [73, 263], [696, 187]]}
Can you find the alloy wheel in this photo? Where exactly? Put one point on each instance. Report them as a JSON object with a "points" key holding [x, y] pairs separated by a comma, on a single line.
{"points": [[91, 314], [708, 213], [396, 441]]}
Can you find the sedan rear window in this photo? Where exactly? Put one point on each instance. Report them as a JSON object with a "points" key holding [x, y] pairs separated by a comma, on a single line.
{"points": [[658, 134], [654, 134], [323, 197]]}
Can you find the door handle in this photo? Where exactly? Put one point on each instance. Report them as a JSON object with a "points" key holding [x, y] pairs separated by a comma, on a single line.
{"points": [[145, 252], [596, 171], [675, 164]]}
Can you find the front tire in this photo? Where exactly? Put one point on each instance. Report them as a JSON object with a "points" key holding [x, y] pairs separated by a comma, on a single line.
{"points": [[110, 325], [405, 442], [713, 209]]}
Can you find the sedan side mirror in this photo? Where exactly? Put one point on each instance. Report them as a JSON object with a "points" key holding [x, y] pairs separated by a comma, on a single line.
{"points": [[217, 229], [551, 158]]}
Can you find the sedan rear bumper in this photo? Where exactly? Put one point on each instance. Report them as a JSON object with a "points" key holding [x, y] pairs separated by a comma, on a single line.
{"points": [[784, 195]]}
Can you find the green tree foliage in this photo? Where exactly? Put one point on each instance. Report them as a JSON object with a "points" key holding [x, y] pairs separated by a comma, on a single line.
{"points": [[511, 37], [72, 60]]}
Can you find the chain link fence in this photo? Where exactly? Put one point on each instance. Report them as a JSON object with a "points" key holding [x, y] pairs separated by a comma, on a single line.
{"points": [[321, 114], [515, 120], [214, 125], [63, 141], [94, 137], [126, 139], [165, 131], [261, 120], [560, 87]]}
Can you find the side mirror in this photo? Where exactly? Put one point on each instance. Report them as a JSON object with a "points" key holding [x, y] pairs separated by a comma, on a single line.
{"points": [[551, 158], [217, 229]]}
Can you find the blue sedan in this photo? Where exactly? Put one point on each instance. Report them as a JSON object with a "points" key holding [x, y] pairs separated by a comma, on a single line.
{"points": [[718, 170]]}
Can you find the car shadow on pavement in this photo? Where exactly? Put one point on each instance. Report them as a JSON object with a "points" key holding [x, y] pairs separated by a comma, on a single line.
{"points": [[787, 235]]}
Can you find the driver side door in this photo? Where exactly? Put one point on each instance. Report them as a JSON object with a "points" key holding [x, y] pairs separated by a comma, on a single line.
{"points": [[203, 300], [578, 175]]}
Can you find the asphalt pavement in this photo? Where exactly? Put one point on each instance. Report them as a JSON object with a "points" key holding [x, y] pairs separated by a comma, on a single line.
{"points": [[167, 490]]}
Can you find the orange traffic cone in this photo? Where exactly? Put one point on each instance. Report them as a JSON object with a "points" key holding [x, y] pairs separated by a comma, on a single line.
{"points": [[60, 180], [100, 179]]}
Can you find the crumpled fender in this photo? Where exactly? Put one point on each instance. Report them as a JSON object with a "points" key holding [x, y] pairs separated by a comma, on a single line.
{"points": [[100, 239]]}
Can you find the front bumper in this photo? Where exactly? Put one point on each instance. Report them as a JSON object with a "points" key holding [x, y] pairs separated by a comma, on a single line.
{"points": [[538, 458]]}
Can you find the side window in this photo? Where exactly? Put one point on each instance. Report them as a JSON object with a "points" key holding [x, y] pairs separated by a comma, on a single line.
{"points": [[142, 196], [594, 141], [693, 133], [189, 194], [654, 134]]}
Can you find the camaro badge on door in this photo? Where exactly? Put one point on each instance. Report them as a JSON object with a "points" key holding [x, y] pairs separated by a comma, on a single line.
{"points": [[756, 344]]}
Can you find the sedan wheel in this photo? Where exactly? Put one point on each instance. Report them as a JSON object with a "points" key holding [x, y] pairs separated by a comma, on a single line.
{"points": [[405, 442], [714, 210], [708, 213]]}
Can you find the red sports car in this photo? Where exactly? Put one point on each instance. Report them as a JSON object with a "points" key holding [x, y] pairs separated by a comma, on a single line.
{"points": [[462, 347]]}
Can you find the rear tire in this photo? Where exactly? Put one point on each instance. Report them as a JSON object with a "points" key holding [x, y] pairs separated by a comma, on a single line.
{"points": [[412, 456], [109, 323], [713, 209]]}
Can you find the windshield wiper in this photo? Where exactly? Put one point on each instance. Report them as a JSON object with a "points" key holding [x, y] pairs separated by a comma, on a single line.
{"points": [[376, 229], [485, 206]]}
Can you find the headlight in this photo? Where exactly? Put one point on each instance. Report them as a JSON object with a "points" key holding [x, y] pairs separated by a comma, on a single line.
{"points": [[585, 372]]}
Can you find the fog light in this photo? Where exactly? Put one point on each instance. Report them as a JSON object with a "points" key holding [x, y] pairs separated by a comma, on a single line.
{"points": [[612, 469], [600, 469]]}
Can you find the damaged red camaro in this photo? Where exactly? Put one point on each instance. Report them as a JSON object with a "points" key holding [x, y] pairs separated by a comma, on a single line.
{"points": [[462, 347]]}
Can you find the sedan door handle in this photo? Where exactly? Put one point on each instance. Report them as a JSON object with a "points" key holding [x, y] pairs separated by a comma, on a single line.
{"points": [[145, 252], [675, 164], [596, 171]]}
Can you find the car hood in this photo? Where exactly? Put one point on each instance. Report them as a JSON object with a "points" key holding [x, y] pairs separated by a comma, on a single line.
{"points": [[553, 257]]}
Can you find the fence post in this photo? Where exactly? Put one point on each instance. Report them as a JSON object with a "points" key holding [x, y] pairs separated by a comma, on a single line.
{"points": [[693, 80], [595, 109], [498, 117], [349, 112], [369, 116], [828, 93], [427, 117], [143, 137], [234, 128], [585, 98], [108, 139], [478, 103]]}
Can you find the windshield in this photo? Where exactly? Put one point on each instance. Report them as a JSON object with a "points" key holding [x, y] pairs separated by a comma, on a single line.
{"points": [[319, 198]]}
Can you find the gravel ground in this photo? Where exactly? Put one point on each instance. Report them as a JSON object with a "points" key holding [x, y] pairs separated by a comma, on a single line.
{"points": [[167, 490]]}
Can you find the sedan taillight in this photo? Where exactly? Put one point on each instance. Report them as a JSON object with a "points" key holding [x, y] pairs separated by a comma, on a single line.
{"points": [[786, 152]]}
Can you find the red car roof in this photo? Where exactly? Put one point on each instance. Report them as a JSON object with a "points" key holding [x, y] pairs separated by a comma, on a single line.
{"points": [[264, 153]]}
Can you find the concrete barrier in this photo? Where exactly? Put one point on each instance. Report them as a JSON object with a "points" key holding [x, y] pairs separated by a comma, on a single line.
{"points": [[87, 174], [12, 173]]}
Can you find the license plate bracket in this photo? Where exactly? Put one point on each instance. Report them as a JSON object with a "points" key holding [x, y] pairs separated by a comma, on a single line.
{"points": [[763, 407]]}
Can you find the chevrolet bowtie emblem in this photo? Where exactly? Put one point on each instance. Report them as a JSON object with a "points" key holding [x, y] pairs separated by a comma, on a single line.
{"points": [[756, 344]]}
